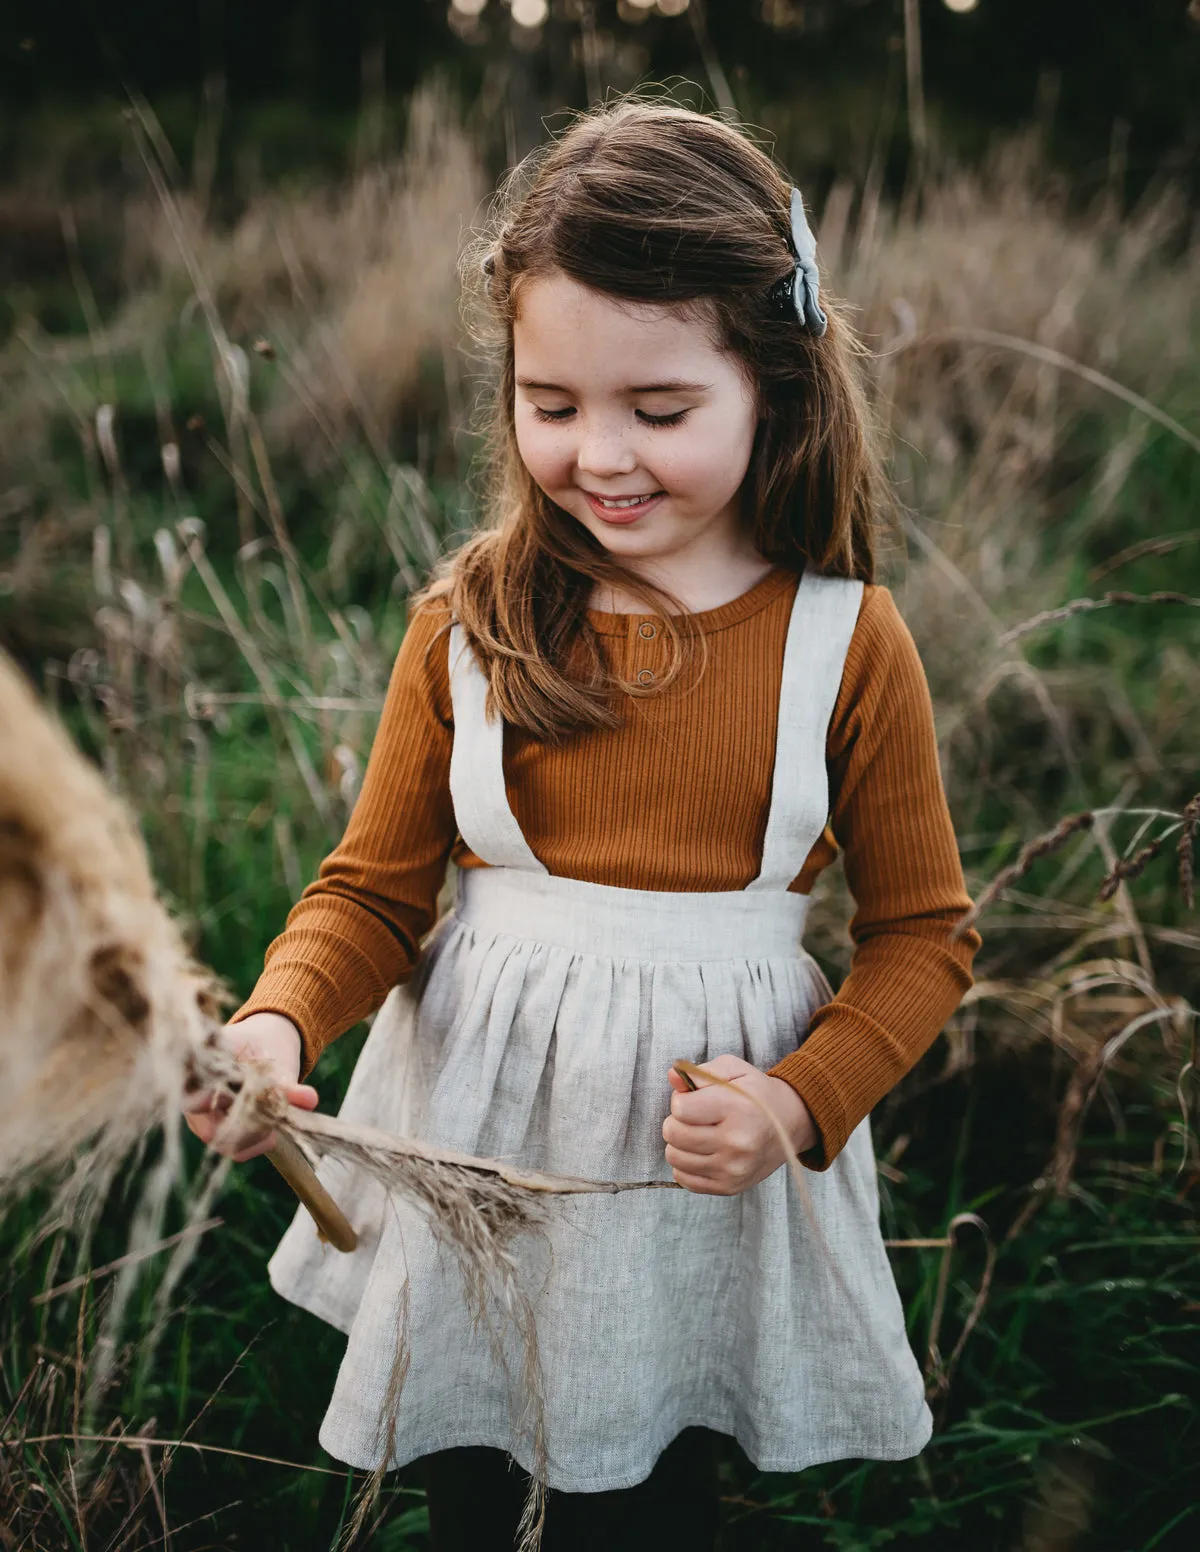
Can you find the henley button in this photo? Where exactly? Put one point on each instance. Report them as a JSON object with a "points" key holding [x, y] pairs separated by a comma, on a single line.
{"points": [[645, 676], [646, 630]]}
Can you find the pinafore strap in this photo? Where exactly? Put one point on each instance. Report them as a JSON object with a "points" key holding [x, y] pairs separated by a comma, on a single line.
{"points": [[819, 631], [814, 656], [481, 808]]}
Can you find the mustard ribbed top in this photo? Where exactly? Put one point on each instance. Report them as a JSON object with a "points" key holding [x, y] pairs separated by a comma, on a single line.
{"points": [[674, 799]]}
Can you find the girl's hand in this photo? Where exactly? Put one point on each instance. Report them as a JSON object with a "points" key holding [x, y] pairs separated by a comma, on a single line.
{"points": [[718, 1142], [271, 1041]]}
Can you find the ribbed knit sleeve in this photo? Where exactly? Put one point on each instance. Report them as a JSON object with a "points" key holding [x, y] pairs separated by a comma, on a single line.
{"points": [[355, 931], [889, 815]]}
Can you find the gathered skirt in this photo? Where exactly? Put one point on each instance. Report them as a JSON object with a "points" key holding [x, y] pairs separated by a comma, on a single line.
{"points": [[539, 1027]]}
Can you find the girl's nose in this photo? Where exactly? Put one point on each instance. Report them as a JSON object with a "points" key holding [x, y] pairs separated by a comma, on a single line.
{"points": [[605, 453]]}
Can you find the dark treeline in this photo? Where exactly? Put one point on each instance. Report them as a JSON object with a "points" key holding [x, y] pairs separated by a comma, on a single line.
{"points": [[1116, 72]]}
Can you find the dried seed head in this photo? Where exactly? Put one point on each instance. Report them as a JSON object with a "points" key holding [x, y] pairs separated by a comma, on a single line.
{"points": [[1041, 846], [1132, 867]]}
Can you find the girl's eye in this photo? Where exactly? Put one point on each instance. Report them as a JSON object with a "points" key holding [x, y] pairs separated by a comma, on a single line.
{"points": [[662, 420], [673, 419]]}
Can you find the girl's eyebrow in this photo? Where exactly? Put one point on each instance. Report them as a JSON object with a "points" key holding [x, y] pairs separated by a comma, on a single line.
{"points": [[673, 385]]}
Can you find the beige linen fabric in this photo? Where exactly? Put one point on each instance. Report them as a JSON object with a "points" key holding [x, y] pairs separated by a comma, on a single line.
{"points": [[539, 1026]]}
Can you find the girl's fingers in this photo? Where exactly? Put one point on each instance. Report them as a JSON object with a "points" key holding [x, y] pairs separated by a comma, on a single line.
{"points": [[205, 1115], [302, 1095], [691, 1139], [243, 1145], [706, 1107], [202, 1125], [700, 1164], [206, 1128], [703, 1185]]}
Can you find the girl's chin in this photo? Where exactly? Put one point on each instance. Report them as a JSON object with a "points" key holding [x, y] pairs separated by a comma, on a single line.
{"points": [[629, 538]]}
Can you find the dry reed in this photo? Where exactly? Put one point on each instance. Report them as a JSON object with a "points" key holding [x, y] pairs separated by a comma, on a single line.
{"points": [[1031, 852], [101, 1001]]}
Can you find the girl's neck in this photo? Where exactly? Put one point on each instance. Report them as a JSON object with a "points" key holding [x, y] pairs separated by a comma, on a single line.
{"points": [[699, 585]]}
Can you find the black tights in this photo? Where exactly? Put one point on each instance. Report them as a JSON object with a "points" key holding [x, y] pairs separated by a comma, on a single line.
{"points": [[476, 1496]]}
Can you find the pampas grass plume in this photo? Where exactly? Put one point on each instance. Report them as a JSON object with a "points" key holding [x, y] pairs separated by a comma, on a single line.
{"points": [[102, 1004]]}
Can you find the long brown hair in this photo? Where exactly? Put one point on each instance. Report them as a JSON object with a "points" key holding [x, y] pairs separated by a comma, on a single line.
{"points": [[649, 202]]}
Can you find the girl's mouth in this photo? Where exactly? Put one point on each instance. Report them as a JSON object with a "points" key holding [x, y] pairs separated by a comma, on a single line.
{"points": [[622, 509]]}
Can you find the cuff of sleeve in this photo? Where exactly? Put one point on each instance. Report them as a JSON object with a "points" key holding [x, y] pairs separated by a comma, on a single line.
{"points": [[274, 999], [823, 1102]]}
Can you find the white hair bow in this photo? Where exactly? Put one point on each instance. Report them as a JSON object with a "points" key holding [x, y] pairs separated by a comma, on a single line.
{"points": [[806, 285]]}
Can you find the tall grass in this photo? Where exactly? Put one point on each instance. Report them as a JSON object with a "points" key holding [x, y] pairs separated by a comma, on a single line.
{"points": [[217, 490]]}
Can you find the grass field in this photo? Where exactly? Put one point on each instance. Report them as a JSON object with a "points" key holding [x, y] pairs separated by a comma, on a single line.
{"points": [[233, 437]]}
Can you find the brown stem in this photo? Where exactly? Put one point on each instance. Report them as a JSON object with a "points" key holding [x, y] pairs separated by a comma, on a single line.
{"points": [[332, 1225]]}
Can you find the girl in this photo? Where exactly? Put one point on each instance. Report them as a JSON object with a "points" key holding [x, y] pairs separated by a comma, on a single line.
{"points": [[640, 713]]}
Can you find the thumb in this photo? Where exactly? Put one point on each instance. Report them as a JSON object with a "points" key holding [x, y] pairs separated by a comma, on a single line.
{"points": [[302, 1095], [728, 1067], [678, 1082], [695, 1076]]}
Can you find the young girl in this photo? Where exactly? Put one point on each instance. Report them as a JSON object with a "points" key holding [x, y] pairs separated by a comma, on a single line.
{"points": [[641, 712]]}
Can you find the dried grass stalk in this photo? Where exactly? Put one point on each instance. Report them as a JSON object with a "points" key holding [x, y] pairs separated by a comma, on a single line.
{"points": [[1031, 852], [1087, 606]]}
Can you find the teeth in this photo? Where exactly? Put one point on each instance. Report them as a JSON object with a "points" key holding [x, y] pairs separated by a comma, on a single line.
{"points": [[625, 501]]}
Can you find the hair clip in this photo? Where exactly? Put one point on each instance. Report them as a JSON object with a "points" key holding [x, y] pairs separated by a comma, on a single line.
{"points": [[806, 283]]}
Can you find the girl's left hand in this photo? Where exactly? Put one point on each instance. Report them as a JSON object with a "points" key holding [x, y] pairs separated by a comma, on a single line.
{"points": [[718, 1142]]}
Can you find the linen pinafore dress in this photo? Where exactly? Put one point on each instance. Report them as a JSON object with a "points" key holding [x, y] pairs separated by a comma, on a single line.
{"points": [[539, 1026]]}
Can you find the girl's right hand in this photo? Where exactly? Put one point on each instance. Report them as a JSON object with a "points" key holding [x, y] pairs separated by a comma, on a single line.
{"points": [[272, 1041]]}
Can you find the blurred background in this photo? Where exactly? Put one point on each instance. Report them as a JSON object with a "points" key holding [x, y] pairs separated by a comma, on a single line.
{"points": [[236, 429]]}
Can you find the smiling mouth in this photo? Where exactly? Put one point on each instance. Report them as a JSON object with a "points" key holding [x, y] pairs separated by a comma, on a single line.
{"points": [[623, 503]]}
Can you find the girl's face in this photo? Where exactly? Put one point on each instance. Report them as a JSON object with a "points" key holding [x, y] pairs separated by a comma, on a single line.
{"points": [[633, 421]]}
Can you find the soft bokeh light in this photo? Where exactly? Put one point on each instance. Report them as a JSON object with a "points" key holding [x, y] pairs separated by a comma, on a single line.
{"points": [[529, 13], [469, 7], [672, 7], [784, 15], [961, 7]]}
